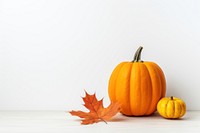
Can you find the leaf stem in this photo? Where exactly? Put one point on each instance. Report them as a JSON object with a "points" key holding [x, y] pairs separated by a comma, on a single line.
{"points": [[103, 120]]}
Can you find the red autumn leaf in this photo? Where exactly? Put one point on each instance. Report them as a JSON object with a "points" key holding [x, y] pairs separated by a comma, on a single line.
{"points": [[96, 110]]}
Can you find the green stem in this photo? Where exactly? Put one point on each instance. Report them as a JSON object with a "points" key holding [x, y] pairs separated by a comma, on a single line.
{"points": [[137, 56]]}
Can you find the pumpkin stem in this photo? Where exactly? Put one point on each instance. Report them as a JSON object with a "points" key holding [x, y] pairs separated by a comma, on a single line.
{"points": [[171, 97], [137, 56]]}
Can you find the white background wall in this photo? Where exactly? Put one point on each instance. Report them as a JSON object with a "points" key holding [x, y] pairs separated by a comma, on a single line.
{"points": [[50, 51]]}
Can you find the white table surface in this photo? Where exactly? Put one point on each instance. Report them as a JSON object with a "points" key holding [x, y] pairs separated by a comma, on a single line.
{"points": [[63, 122]]}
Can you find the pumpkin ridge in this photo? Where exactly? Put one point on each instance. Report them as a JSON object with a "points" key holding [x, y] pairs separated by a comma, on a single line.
{"points": [[124, 69], [156, 85], [139, 108], [162, 91], [113, 80], [159, 77], [129, 109], [146, 113], [129, 98], [173, 108], [133, 88], [166, 108], [162, 79], [145, 83], [182, 107], [176, 109], [117, 79]]}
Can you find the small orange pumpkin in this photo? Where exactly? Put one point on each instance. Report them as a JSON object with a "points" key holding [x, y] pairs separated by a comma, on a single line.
{"points": [[137, 85]]}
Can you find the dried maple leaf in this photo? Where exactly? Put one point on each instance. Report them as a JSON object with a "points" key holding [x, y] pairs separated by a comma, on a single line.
{"points": [[96, 110]]}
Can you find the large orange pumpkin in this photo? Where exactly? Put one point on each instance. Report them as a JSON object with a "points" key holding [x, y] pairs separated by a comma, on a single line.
{"points": [[137, 85]]}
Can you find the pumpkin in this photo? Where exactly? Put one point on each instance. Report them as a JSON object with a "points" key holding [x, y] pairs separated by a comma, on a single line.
{"points": [[137, 85], [171, 107]]}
